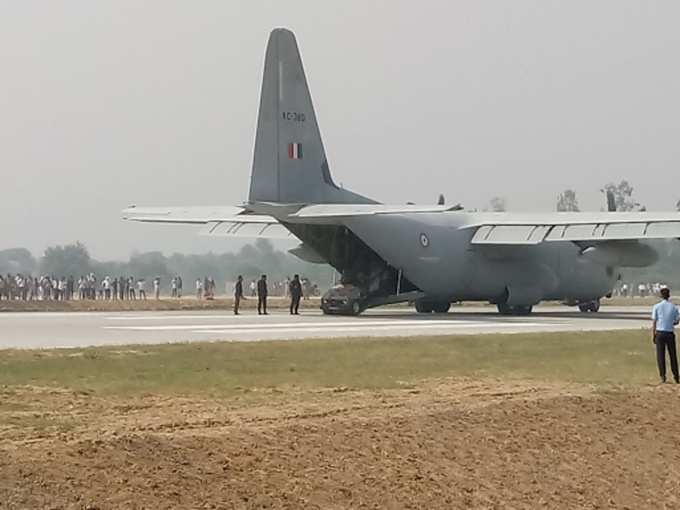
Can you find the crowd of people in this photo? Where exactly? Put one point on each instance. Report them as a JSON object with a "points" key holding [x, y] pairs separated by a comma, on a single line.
{"points": [[86, 287], [29, 288], [22, 287], [641, 289]]}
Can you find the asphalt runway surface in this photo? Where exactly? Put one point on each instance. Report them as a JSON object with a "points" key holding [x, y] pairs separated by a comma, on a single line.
{"points": [[72, 329]]}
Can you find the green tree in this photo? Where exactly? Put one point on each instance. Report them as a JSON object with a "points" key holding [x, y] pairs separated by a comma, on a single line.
{"points": [[17, 260], [148, 265], [567, 201], [623, 196], [67, 260]]}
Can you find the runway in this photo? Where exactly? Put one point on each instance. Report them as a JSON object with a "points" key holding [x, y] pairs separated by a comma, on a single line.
{"points": [[48, 330]]}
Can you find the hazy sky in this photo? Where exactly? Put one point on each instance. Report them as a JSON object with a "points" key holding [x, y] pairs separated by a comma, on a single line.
{"points": [[109, 103]]}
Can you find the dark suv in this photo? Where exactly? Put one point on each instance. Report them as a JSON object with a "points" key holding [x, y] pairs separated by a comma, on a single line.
{"points": [[343, 300]]}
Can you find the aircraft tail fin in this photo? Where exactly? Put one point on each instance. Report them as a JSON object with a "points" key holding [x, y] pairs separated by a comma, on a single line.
{"points": [[289, 163]]}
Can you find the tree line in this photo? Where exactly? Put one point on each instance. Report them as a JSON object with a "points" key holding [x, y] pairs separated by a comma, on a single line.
{"points": [[250, 261], [621, 194]]}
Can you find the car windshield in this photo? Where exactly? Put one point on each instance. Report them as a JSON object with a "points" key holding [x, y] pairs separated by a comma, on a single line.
{"points": [[343, 290]]}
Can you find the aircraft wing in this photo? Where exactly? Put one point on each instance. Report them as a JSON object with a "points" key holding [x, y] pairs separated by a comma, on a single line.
{"points": [[611, 238], [586, 228], [216, 221]]}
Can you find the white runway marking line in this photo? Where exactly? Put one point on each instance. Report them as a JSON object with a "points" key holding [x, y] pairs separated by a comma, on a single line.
{"points": [[330, 325], [239, 317], [349, 329], [303, 325]]}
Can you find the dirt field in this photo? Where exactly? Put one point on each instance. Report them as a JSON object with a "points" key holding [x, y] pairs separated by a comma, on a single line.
{"points": [[560, 420], [446, 443]]}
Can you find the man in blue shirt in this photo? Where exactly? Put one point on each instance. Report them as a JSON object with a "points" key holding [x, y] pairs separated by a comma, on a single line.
{"points": [[665, 317]]}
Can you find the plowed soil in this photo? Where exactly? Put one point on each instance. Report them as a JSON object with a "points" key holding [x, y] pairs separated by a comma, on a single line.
{"points": [[446, 443]]}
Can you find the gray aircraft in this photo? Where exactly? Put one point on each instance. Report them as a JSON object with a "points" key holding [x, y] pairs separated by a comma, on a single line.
{"points": [[431, 255]]}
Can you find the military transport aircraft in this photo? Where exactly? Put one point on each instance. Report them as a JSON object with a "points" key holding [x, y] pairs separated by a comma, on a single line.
{"points": [[432, 255]]}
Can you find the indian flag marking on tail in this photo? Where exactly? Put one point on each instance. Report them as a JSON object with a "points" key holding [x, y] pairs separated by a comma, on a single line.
{"points": [[294, 151]]}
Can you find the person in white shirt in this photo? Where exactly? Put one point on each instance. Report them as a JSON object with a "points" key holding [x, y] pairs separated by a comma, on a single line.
{"points": [[106, 287], [141, 289], [664, 319]]}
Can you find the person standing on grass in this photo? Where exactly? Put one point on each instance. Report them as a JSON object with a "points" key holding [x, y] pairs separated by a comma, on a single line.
{"points": [[664, 319], [141, 289], [262, 292], [238, 293], [131, 288]]}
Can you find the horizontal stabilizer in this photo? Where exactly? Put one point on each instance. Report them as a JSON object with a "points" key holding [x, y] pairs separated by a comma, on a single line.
{"points": [[216, 221]]}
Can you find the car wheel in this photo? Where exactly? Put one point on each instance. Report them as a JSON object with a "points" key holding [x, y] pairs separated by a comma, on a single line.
{"points": [[595, 306]]}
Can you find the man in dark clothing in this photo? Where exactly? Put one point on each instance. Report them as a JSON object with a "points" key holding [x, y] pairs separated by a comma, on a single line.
{"points": [[295, 290], [238, 293], [262, 295]]}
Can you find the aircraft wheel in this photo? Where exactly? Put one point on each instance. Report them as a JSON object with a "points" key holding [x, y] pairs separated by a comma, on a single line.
{"points": [[423, 307], [505, 309], [442, 307], [590, 306]]}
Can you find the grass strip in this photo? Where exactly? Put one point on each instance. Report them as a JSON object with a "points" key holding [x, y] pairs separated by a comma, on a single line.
{"points": [[223, 369]]}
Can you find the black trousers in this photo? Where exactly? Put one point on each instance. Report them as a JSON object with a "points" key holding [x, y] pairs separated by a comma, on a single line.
{"points": [[294, 303], [261, 304], [666, 340]]}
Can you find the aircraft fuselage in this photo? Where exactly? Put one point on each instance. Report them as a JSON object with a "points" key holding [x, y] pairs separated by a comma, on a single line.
{"points": [[437, 256]]}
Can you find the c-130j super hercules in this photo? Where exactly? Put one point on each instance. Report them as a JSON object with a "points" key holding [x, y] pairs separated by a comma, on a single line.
{"points": [[433, 255]]}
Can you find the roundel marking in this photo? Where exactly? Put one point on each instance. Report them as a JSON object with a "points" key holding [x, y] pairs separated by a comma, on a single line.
{"points": [[424, 240]]}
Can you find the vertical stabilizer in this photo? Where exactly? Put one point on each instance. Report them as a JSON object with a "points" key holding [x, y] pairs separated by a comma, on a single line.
{"points": [[289, 164]]}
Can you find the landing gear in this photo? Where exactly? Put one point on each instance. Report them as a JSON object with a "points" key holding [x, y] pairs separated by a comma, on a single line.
{"points": [[425, 306], [442, 307], [590, 306], [505, 309]]}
